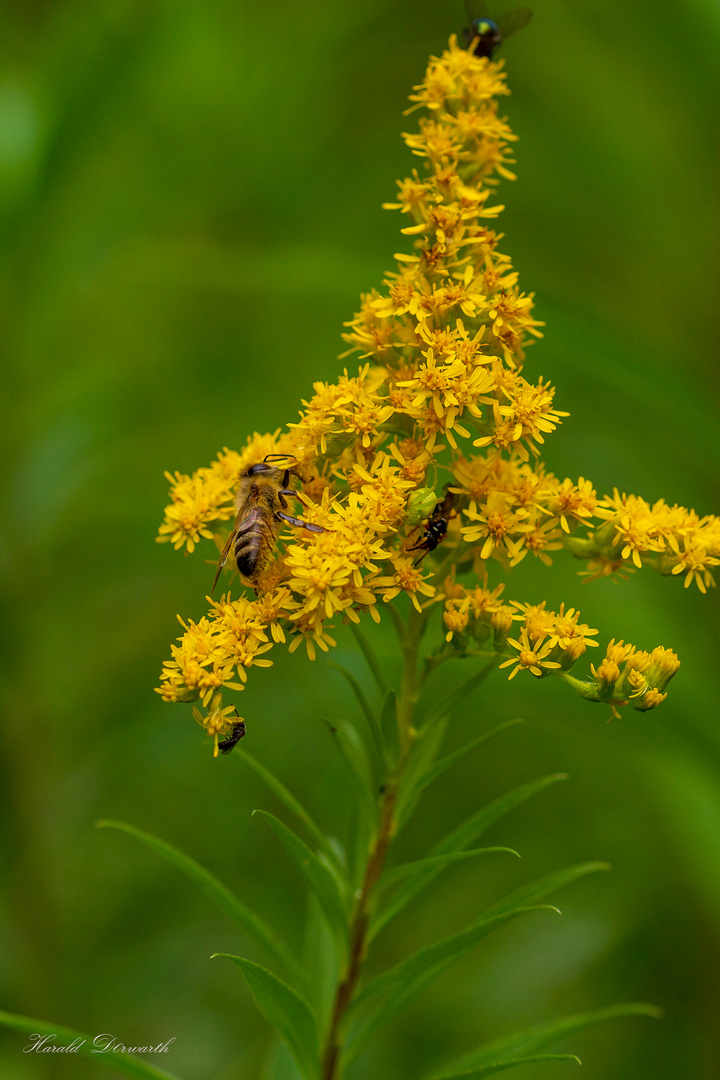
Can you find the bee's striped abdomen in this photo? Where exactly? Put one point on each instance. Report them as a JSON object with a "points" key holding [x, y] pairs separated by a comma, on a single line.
{"points": [[254, 543]]}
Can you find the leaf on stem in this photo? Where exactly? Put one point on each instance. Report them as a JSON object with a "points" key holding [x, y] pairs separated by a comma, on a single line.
{"points": [[389, 728], [290, 803], [127, 1064], [415, 785], [537, 890], [532, 1038], [419, 760], [322, 879], [367, 709], [410, 870], [458, 693], [288, 1012], [352, 750], [458, 840], [370, 657], [395, 988], [500, 1066], [221, 896]]}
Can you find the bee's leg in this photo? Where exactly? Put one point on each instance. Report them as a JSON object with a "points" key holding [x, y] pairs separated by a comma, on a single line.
{"points": [[299, 522]]}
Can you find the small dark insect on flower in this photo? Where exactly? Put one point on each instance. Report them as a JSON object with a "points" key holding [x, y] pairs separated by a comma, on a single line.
{"points": [[487, 33], [237, 733], [435, 526], [261, 503]]}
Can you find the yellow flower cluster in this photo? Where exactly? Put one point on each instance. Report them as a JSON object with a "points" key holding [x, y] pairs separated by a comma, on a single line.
{"points": [[217, 650], [434, 441], [670, 538]]}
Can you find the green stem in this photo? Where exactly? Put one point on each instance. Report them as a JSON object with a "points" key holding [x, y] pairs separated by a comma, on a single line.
{"points": [[409, 636], [407, 701], [358, 934]]}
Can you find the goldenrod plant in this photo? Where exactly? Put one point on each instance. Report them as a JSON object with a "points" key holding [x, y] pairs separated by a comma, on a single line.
{"points": [[401, 493]]}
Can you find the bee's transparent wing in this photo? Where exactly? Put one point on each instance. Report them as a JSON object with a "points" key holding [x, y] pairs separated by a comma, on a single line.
{"points": [[512, 21], [223, 557]]}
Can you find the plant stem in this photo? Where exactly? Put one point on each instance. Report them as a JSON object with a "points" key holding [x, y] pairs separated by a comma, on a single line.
{"points": [[410, 636], [358, 933]]}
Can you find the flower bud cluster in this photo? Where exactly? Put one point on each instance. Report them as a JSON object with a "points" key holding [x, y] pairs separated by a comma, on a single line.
{"points": [[629, 675]]}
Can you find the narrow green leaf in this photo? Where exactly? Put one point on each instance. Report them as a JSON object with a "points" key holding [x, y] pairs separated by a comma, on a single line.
{"points": [[389, 727], [410, 870], [487, 815], [221, 896], [289, 801], [367, 709], [394, 989], [537, 890], [415, 786], [286, 1010], [370, 657], [458, 840], [420, 759], [453, 698], [127, 1064], [319, 876], [533, 1038], [352, 750], [499, 1066]]}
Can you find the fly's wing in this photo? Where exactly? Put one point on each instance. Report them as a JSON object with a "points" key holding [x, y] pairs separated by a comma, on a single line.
{"points": [[476, 9], [512, 21]]}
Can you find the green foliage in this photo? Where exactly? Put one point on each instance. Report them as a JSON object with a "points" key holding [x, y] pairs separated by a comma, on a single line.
{"points": [[359, 1014], [501, 1066], [330, 890], [389, 729], [419, 777], [370, 657], [352, 751], [523, 1042], [439, 862], [229, 904], [478, 822], [397, 987], [367, 710], [289, 1013], [290, 803]]}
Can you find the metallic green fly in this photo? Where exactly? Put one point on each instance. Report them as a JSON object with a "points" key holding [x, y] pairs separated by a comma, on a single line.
{"points": [[488, 34]]}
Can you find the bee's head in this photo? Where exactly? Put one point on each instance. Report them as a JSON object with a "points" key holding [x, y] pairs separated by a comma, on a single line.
{"points": [[261, 467]]}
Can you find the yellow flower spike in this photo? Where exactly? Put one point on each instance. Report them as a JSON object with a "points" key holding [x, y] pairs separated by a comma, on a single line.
{"points": [[439, 412]]}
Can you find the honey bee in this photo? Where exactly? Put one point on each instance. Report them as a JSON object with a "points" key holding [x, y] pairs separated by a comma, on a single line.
{"points": [[436, 526], [261, 505]]}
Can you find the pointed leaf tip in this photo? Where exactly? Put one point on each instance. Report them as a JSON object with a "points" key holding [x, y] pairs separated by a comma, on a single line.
{"points": [[221, 896], [288, 1012]]}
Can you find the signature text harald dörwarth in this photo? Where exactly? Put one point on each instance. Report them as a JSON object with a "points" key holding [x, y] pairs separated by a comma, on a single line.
{"points": [[101, 1044]]}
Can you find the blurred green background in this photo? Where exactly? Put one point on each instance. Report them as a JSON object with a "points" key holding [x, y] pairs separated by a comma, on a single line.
{"points": [[190, 208]]}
